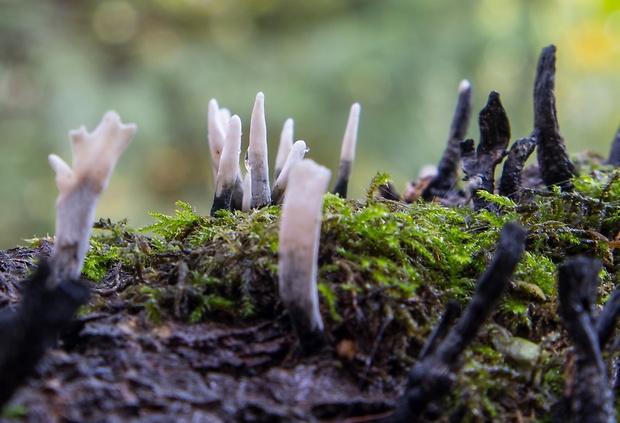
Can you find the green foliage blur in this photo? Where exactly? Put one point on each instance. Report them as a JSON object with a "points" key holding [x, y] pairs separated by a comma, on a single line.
{"points": [[63, 63]]}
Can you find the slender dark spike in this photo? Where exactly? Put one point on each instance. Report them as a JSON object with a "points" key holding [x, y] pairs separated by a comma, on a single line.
{"points": [[606, 321], [434, 376], [592, 399], [389, 192], [614, 152], [342, 183], [28, 331], [490, 287], [510, 182], [555, 165], [479, 166], [448, 165], [452, 312]]}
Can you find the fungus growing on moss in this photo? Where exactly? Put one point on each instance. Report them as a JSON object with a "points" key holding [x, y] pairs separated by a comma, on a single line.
{"points": [[300, 229], [94, 157], [347, 152], [433, 377], [447, 171], [479, 164], [555, 165], [228, 170], [286, 143], [257, 155], [295, 156]]}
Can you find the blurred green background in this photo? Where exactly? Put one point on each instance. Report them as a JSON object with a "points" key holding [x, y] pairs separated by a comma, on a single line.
{"points": [[63, 63]]}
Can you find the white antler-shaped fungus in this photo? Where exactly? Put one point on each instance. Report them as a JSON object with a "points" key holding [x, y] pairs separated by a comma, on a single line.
{"points": [[296, 155], [347, 153], [257, 155], [94, 157], [286, 143], [300, 230], [227, 175]]}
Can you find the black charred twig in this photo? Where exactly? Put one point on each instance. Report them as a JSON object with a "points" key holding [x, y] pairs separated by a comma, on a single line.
{"points": [[614, 152], [434, 376], [447, 171], [510, 182], [606, 321], [592, 399], [555, 165], [479, 165], [389, 192], [27, 332]]}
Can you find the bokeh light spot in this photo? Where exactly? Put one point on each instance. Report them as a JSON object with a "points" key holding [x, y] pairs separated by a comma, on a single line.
{"points": [[115, 22]]}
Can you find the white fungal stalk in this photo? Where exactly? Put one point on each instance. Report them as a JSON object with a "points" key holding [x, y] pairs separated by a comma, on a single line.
{"points": [[300, 230], [286, 143], [228, 170], [247, 193], [216, 134], [94, 157], [257, 155], [296, 155], [347, 153]]}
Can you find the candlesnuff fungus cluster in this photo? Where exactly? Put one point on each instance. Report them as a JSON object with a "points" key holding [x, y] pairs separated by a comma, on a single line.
{"points": [[478, 165], [55, 291], [200, 273], [253, 191]]}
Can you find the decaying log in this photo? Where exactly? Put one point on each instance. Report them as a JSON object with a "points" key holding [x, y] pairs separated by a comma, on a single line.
{"points": [[433, 377], [592, 400], [479, 164], [555, 165], [29, 330]]}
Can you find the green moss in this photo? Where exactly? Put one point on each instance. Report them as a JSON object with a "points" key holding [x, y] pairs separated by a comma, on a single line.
{"points": [[385, 271]]}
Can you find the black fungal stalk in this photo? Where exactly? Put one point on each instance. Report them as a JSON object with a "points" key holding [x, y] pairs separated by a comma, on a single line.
{"points": [[447, 170], [510, 182], [592, 400], [614, 152], [29, 330], [434, 377], [479, 165], [555, 165]]}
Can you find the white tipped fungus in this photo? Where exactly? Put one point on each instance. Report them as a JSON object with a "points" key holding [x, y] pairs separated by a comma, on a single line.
{"points": [[296, 155], [300, 230], [257, 155], [286, 143]]}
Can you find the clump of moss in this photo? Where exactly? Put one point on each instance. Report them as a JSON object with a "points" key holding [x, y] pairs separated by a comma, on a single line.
{"points": [[385, 271]]}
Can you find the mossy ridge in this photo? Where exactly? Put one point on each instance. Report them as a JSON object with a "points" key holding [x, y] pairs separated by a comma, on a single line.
{"points": [[385, 271]]}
